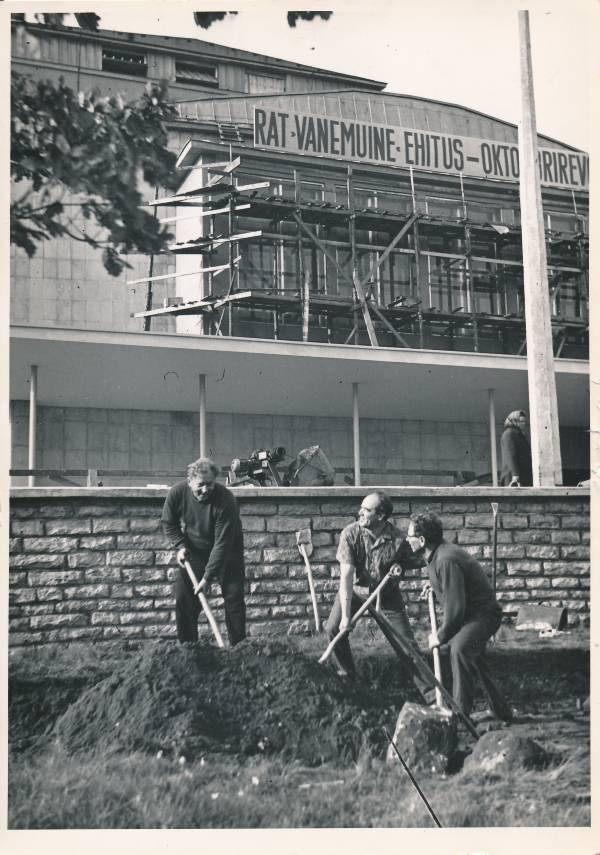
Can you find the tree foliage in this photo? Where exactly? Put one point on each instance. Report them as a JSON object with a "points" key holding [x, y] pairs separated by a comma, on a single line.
{"points": [[87, 154], [294, 17], [206, 19]]}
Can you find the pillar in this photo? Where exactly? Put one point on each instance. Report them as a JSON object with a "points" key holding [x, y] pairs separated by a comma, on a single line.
{"points": [[202, 413], [33, 394], [543, 406], [493, 440], [356, 434]]}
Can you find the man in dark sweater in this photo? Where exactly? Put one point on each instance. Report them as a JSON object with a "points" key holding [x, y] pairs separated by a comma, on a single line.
{"points": [[471, 612], [202, 522]]}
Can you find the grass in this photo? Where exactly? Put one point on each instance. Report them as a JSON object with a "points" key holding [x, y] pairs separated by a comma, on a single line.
{"points": [[54, 788], [94, 790]]}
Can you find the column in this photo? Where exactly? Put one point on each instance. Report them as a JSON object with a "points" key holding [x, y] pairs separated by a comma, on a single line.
{"points": [[202, 414], [356, 434], [493, 440], [32, 456]]}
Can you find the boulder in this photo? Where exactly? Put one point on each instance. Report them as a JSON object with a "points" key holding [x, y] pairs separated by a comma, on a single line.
{"points": [[497, 752], [425, 737]]}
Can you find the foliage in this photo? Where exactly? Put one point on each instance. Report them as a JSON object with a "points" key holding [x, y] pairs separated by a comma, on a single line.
{"points": [[93, 148], [293, 17], [205, 19]]}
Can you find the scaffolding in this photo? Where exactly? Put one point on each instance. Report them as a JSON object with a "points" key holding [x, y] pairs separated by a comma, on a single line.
{"points": [[441, 250]]}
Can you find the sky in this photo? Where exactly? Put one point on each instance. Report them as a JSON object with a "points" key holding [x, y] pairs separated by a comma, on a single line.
{"points": [[464, 52]]}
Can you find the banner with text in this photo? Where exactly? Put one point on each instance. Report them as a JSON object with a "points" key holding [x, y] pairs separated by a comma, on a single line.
{"points": [[301, 133]]}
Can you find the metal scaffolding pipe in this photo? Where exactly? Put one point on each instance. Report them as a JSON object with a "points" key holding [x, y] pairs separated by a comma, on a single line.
{"points": [[33, 395], [202, 413], [493, 440], [356, 434]]}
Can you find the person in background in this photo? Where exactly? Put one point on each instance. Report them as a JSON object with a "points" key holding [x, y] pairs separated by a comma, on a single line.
{"points": [[516, 452], [201, 520], [471, 612], [367, 550]]}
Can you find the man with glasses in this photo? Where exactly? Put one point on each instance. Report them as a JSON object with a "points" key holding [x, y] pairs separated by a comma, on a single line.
{"points": [[471, 612], [201, 520], [367, 550]]}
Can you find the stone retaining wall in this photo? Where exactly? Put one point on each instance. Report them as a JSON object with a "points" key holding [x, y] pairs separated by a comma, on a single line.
{"points": [[92, 564]]}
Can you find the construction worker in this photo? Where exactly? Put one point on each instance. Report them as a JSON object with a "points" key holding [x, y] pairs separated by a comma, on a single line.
{"points": [[201, 520], [516, 452], [471, 612], [367, 550]]}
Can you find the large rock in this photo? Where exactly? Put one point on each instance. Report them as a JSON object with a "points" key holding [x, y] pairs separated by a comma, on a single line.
{"points": [[500, 751], [425, 737]]}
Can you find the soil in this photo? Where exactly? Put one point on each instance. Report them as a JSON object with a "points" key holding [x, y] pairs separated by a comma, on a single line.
{"points": [[270, 697]]}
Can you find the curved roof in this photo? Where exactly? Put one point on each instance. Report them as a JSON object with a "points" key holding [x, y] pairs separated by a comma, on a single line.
{"points": [[385, 108]]}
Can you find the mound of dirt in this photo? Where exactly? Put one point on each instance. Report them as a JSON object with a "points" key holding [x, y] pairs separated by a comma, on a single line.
{"points": [[259, 697]]}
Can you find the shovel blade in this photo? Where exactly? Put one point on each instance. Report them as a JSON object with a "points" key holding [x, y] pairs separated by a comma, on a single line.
{"points": [[304, 538]]}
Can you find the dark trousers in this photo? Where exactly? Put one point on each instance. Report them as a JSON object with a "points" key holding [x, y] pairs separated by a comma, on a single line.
{"points": [[468, 661], [187, 605], [392, 609]]}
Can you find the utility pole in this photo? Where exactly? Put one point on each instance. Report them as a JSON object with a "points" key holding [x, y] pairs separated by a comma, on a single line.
{"points": [[543, 406]]}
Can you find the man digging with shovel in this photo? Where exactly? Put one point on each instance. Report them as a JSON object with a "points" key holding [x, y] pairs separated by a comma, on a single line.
{"points": [[367, 550], [471, 612], [201, 520]]}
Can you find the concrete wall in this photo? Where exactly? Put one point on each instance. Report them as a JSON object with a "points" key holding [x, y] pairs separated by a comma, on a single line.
{"points": [[392, 451], [93, 564]]}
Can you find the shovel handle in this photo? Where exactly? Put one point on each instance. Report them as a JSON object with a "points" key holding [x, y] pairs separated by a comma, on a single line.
{"points": [[344, 632], [205, 607], [437, 668], [311, 586]]}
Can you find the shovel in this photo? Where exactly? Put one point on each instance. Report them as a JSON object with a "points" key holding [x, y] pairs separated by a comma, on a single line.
{"points": [[205, 607], [304, 542], [437, 667]]}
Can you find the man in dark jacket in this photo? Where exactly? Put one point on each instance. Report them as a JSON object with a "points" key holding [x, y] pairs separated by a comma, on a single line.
{"points": [[516, 452], [471, 613], [202, 522]]}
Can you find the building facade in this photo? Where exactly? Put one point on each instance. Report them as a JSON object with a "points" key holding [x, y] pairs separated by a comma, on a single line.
{"points": [[346, 271]]}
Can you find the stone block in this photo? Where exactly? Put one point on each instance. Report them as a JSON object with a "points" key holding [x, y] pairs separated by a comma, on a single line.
{"points": [[425, 737], [532, 536], [140, 617], [142, 574], [332, 523], [97, 541], [106, 509], [75, 634], [574, 552], [537, 582], [563, 568], [501, 752], [27, 527], [141, 541], [303, 509], [108, 525], [85, 591], [564, 582], [253, 524], [252, 556], [544, 521], [164, 557], [579, 522], [537, 551], [473, 536], [347, 507], [68, 526], [153, 509], [157, 590], [49, 594], [522, 568], [259, 539], [513, 520], [505, 550], [451, 507], [49, 544], [120, 591], [288, 523], [86, 559], [48, 621], [280, 555], [564, 536], [288, 611], [104, 618], [102, 574], [132, 558], [257, 508], [147, 524], [26, 639], [15, 544], [21, 595], [478, 521], [54, 577]]}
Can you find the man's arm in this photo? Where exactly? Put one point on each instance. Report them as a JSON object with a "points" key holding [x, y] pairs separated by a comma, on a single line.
{"points": [[225, 525], [346, 584], [453, 587], [171, 521]]}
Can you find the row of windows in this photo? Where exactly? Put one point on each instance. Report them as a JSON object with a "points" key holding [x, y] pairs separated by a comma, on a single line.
{"points": [[135, 64], [451, 286]]}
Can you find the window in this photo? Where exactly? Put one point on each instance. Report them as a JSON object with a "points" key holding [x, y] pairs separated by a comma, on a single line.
{"points": [[124, 62], [259, 84], [449, 208], [192, 72]]}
